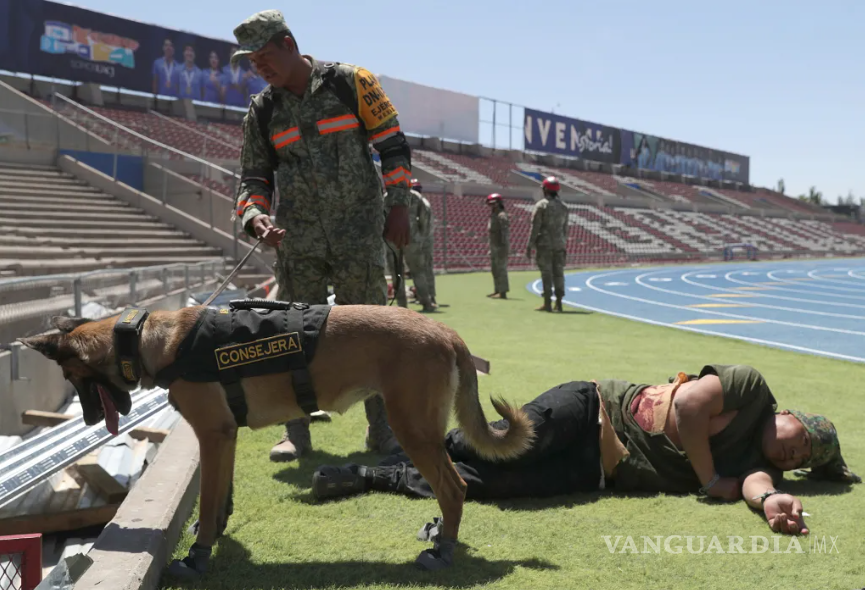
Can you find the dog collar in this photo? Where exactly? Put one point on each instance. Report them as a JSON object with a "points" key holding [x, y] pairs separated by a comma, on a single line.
{"points": [[127, 332]]}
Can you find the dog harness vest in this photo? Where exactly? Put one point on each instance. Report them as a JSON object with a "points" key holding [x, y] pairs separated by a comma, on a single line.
{"points": [[227, 345]]}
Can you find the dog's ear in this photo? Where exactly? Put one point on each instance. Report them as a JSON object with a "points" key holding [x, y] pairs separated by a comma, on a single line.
{"points": [[66, 325], [50, 345]]}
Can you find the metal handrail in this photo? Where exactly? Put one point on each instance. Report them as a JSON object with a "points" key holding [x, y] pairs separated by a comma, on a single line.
{"points": [[145, 138], [106, 271]]}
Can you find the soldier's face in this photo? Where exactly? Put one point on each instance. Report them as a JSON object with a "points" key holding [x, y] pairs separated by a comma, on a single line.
{"points": [[786, 443], [275, 62]]}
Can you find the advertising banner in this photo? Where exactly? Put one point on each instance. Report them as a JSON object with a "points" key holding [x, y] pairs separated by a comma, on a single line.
{"points": [[424, 110], [56, 40], [555, 134], [564, 136]]}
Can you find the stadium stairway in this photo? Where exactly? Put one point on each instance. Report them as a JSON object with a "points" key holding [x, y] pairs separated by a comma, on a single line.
{"points": [[51, 222]]}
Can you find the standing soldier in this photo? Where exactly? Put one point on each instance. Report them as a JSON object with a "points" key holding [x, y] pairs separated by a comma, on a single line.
{"points": [[308, 135], [550, 238], [420, 220], [500, 245]]}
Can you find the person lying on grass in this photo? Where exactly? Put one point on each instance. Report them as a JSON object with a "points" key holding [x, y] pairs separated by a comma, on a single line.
{"points": [[716, 433]]}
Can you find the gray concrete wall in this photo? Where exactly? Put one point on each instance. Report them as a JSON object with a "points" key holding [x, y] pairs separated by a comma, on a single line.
{"points": [[41, 386]]}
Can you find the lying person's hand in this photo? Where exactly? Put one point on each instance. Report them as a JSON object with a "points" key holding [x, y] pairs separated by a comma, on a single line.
{"points": [[726, 488], [784, 514]]}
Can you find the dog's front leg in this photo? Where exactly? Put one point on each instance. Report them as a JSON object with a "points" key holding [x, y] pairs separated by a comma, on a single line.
{"points": [[216, 431]]}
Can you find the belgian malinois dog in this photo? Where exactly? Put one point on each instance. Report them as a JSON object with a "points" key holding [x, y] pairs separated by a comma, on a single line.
{"points": [[421, 367]]}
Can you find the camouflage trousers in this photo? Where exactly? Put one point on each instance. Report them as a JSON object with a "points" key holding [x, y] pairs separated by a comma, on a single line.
{"points": [[552, 266], [355, 281], [499, 261], [416, 260], [427, 249], [392, 256]]}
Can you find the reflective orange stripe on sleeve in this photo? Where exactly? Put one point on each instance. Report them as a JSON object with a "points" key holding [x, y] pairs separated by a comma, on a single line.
{"points": [[286, 137], [335, 124], [398, 176], [386, 134], [259, 200]]}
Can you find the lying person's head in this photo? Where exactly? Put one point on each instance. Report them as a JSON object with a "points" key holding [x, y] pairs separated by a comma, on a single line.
{"points": [[796, 440]]}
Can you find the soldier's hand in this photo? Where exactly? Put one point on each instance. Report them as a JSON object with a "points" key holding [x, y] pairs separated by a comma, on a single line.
{"points": [[396, 227], [264, 228]]}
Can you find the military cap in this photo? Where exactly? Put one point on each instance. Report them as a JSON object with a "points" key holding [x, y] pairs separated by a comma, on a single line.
{"points": [[256, 31], [825, 460]]}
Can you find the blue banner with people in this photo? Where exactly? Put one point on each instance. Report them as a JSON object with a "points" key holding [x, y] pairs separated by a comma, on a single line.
{"points": [[62, 41], [555, 134]]}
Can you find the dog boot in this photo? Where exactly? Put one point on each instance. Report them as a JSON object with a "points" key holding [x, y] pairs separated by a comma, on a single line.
{"points": [[295, 443], [379, 436], [193, 565], [439, 557], [320, 416]]}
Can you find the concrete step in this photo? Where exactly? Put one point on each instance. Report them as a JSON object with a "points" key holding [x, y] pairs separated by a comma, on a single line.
{"points": [[62, 209], [70, 215], [40, 267], [10, 186], [75, 241], [109, 227], [28, 168], [44, 177], [60, 202], [56, 252], [72, 194], [35, 231]]}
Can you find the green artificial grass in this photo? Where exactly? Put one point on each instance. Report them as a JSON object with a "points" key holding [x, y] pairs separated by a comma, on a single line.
{"points": [[280, 537]]}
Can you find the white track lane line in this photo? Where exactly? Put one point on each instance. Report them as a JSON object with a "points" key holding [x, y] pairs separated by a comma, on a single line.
{"points": [[750, 303], [718, 313], [817, 277], [852, 273], [730, 274], [772, 276], [539, 291], [685, 279]]}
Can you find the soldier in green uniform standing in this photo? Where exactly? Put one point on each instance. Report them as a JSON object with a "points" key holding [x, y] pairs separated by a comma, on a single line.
{"points": [[500, 245], [550, 238], [307, 134]]}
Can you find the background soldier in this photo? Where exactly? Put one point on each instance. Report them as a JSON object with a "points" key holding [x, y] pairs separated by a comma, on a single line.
{"points": [[550, 238], [418, 253], [500, 245], [332, 210]]}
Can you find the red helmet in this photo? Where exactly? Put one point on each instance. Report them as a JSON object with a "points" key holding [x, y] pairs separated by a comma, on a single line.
{"points": [[494, 198], [551, 184], [416, 185]]}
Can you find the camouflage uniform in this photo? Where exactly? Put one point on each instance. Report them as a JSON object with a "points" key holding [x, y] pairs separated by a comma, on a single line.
{"points": [[549, 238], [419, 219], [330, 199], [500, 247]]}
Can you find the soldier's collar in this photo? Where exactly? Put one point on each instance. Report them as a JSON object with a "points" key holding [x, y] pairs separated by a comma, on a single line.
{"points": [[315, 78]]}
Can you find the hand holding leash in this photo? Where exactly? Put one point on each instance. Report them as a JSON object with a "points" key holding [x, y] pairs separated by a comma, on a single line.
{"points": [[266, 231]]}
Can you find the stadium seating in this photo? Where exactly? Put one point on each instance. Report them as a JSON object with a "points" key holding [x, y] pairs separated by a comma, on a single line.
{"points": [[52, 223], [598, 235]]}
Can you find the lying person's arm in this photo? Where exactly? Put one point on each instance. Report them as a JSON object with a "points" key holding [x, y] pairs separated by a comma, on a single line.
{"points": [[783, 511], [694, 409]]}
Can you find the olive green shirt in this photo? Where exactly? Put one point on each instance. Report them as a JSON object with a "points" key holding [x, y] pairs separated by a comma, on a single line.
{"points": [[655, 464]]}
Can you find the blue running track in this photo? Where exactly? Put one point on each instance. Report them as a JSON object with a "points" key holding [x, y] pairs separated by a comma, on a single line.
{"points": [[815, 306]]}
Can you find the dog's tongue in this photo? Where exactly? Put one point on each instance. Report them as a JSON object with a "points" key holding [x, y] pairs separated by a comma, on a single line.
{"points": [[112, 419]]}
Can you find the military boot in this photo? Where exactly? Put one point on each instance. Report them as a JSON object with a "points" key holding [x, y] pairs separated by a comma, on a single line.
{"points": [[333, 482], [547, 306], [379, 436], [559, 297], [295, 443]]}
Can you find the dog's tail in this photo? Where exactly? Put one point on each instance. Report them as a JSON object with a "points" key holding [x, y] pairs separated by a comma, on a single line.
{"points": [[490, 443]]}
